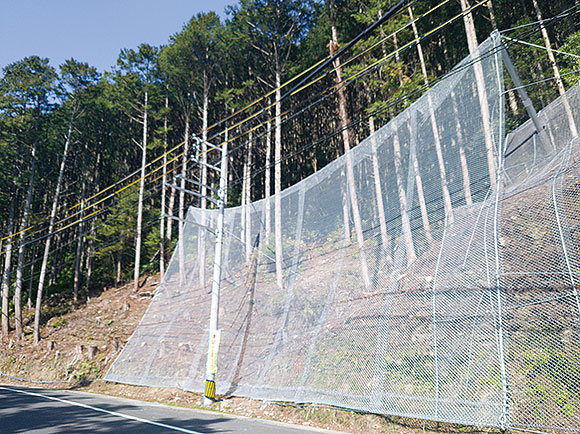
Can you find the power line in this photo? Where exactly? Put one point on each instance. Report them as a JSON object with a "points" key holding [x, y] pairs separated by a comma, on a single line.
{"points": [[324, 94], [346, 81], [305, 85], [390, 104], [101, 192], [316, 67]]}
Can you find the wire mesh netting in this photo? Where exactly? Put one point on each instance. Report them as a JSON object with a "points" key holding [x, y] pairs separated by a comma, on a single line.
{"points": [[431, 272]]}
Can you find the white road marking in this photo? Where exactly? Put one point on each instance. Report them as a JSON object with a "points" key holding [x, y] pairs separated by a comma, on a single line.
{"points": [[113, 413]]}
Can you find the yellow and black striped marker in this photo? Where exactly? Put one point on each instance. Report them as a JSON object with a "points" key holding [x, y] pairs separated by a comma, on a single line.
{"points": [[210, 389]]}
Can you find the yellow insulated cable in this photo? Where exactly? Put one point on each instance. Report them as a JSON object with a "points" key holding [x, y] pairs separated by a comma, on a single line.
{"points": [[265, 96], [236, 113], [97, 194], [414, 41], [56, 231], [127, 177], [315, 80], [352, 77]]}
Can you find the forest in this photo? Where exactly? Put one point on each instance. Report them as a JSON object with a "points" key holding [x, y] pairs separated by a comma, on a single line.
{"points": [[86, 156]]}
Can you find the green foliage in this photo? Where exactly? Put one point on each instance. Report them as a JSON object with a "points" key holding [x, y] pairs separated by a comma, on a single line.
{"points": [[86, 370], [218, 67]]}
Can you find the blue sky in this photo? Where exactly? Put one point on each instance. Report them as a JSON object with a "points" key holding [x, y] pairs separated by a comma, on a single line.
{"points": [[92, 31]]}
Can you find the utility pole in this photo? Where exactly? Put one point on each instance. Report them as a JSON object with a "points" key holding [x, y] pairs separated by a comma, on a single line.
{"points": [[214, 335], [200, 157]]}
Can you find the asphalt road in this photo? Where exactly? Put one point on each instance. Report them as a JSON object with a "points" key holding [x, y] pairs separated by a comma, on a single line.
{"points": [[31, 410]]}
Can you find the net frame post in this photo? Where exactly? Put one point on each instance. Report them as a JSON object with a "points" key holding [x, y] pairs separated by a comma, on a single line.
{"points": [[521, 89], [504, 419]]}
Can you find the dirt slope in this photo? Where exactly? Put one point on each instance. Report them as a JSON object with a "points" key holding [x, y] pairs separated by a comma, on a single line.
{"points": [[79, 344]]}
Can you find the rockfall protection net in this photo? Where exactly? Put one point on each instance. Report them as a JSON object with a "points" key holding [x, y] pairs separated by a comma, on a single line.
{"points": [[458, 303]]}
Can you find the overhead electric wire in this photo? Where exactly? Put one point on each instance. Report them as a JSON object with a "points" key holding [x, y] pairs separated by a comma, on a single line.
{"points": [[98, 193], [334, 88], [322, 63], [542, 47], [320, 66], [64, 219], [95, 213], [417, 40], [392, 13], [400, 99], [317, 67], [129, 176], [376, 44], [262, 98], [544, 21], [104, 222], [331, 90], [353, 77], [336, 132], [371, 67], [344, 82], [150, 222]]}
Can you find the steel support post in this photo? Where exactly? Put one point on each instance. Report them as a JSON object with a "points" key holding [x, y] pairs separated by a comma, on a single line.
{"points": [[504, 419], [520, 88]]}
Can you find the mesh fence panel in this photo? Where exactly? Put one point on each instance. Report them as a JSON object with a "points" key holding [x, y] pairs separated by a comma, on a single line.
{"points": [[459, 303]]}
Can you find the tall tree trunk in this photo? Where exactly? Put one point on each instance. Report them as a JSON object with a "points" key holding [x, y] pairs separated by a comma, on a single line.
{"points": [[460, 139], [31, 278], [405, 222], [278, 181], [267, 177], [140, 204], [55, 261], [434, 127], [462, 156], [345, 212], [482, 94], [50, 230], [20, 263], [248, 196], [243, 200], [418, 179], [92, 231], [378, 185], [80, 243], [559, 82], [163, 195], [420, 193], [346, 138], [118, 270], [6, 274], [511, 94], [90, 255], [170, 209], [181, 222]]}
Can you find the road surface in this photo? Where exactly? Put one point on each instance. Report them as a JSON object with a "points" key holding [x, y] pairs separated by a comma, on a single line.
{"points": [[31, 410]]}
